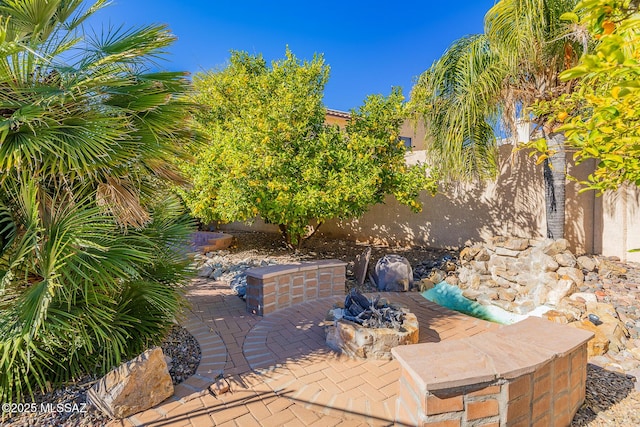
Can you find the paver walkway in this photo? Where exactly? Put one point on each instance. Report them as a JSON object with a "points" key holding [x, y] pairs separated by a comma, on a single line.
{"points": [[280, 370]]}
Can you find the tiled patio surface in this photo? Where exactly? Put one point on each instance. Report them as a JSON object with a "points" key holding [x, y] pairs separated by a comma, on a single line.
{"points": [[280, 370]]}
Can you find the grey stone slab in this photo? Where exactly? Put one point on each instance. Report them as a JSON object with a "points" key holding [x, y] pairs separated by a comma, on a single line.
{"points": [[361, 266]]}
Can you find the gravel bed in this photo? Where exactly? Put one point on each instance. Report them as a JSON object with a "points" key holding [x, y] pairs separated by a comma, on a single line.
{"points": [[610, 400], [184, 351], [67, 406]]}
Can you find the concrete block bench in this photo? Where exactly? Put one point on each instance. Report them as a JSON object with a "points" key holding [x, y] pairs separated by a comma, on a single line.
{"points": [[276, 287], [532, 373]]}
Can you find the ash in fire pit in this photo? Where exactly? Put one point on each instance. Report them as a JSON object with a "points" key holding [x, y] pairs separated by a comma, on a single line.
{"points": [[369, 328], [374, 313]]}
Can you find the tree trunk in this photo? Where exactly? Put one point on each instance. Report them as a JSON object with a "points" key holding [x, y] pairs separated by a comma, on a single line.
{"points": [[555, 168], [284, 230]]}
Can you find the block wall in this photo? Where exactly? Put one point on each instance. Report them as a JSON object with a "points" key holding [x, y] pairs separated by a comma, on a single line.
{"points": [[550, 395], [276, 287]]}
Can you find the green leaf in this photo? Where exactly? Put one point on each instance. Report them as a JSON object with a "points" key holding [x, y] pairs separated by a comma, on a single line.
{"points": [[574, 73], [570, 16]]}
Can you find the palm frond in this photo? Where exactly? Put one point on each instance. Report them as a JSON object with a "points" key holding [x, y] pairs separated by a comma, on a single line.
{"points": [[458, 97], [88, 142]]}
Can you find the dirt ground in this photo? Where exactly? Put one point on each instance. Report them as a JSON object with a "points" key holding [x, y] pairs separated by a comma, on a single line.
{"points": [[248, 244]]}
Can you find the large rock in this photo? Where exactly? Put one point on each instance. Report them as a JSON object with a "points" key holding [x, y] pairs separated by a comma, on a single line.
{"points": [[539, 262], [586, 263], [469, 253], [205, 271], [610, 325], [509, 275], [554, 247], [482, 255], [471, 294], [584, 297], [507, 294], [133, 386], [516, 244], [394, 273], [572, 273], [506, 252], [557, 316], [599, 344], [565, 259], [479, 266], [559, 290], [574, 309]]}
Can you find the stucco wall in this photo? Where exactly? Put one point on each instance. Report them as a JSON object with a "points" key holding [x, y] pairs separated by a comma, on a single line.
{"points": [[620, 212], [512, 205]]}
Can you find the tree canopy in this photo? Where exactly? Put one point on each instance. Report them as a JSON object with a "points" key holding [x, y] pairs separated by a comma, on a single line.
{"points": [[270, 154]]}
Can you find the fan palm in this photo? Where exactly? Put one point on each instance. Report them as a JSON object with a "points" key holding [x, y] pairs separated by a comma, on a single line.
{"points": [[486, 80], [90, 267]]}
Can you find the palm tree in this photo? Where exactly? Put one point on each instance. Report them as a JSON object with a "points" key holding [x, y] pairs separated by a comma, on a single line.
{"points": [[491, 78], [89, 267]]}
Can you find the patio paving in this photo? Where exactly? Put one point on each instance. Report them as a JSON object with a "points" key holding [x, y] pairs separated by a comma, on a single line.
{"points": [[280, 371]]}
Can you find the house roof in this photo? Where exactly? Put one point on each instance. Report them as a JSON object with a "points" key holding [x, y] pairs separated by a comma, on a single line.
{"points": [[338, 113]]}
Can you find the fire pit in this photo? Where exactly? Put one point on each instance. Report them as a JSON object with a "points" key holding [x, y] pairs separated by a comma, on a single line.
{"points": [[369, 328]]}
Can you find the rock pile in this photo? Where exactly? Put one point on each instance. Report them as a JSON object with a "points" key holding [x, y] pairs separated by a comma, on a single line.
{"points": [[596, 293], [519, 275], [217, 266]]}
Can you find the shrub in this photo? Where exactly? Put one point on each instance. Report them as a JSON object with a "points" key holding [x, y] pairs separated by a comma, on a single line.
{"points": [[90, 266]]}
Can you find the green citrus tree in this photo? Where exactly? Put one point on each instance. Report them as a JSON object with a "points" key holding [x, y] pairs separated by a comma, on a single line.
{"points": [[91, 264], [601, 119], [271, 154]]}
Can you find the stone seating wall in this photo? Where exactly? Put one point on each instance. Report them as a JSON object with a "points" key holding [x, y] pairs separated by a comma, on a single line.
{"points": [[532, 373], [276, 287]]}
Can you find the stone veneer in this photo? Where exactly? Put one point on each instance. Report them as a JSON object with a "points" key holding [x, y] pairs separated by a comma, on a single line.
{"points": [[532, 373], [276, 287]]}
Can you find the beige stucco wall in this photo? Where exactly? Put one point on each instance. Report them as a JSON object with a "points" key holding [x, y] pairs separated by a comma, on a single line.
{"points": [[620, 223], [512, 205], [416, 131]]}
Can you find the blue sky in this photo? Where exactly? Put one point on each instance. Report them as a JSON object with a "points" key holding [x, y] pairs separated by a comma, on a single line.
{"points": [[370, 46]]}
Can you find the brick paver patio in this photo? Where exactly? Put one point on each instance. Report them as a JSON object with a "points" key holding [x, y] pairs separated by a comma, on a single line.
{"points": [[280, 370]]}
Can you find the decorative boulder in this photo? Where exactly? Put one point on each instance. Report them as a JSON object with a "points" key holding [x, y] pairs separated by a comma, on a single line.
{"points": [[394, 273], [599, 344], [134, 386], [586, 263], [559, 290]]}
